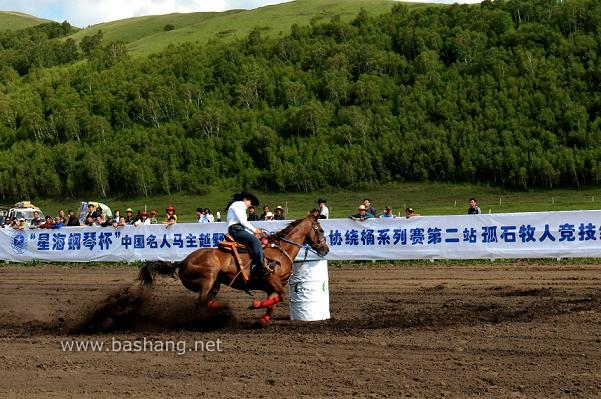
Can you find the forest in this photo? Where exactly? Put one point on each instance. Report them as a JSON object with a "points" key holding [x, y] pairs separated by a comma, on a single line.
{"points": [[505, 93]]}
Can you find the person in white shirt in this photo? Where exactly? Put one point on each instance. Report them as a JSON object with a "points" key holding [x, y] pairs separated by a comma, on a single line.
{"points": [[324, 212], [143, 219], [244, 232], [209, 218]]}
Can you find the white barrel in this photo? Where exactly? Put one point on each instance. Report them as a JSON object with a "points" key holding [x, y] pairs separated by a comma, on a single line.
{"points": [[309, 293]]}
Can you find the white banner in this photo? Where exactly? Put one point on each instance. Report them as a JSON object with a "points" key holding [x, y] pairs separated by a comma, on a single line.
{"points": [[488, 236]]}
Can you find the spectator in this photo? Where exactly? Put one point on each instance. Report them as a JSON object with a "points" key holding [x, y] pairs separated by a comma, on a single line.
{"points": [[474, 209], [387, 213], [170, 217], [110, 221], [47, 224], [409, 213], [72, 219], [100, 215], [120, 222], [252, 214], [63, 218], [20, 224], [209, 216], [279, 213], [143, 219], [153, 217], [91, 212], [7, 222], [35, 221], [90, 220], [324, 212], [362, 215], [368, 208], [199, 215], [263, 216], [269, 216], [129, 216]]}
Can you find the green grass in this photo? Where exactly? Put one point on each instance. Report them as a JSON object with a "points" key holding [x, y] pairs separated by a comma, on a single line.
{"points": [[425, 198], [145, 35], [14, 20]]}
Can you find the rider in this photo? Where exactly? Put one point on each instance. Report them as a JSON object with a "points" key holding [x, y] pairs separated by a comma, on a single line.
{"points": [[244, 232]]}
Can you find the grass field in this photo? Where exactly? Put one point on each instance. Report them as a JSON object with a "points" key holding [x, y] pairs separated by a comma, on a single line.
{"points": [[14, 20], [425, 198], [146, 35]]}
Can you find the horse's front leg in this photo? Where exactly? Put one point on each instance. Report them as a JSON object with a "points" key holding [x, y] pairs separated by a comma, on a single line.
{"points": [[264, 320], [272, 300], [269, 306]]}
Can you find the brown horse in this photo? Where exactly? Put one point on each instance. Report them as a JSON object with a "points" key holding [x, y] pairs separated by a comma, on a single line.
{"points": [[204, 270]]}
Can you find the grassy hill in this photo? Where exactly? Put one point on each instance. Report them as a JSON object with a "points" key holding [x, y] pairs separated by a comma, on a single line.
{"points": [[146, 35], [14, 20]]}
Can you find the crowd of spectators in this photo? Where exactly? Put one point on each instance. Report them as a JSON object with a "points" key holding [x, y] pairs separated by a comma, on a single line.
{"points": [[96, 216]]}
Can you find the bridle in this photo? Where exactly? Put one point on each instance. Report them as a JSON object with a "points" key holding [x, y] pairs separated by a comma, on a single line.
{"points": [[304, 245]]}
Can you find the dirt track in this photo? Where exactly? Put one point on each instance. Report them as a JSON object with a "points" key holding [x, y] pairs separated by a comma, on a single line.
{"points": [[496, 330]]}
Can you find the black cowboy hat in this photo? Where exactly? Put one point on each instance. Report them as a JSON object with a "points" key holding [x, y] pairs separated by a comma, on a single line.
{"points": [[321, 200], [253, 199]]}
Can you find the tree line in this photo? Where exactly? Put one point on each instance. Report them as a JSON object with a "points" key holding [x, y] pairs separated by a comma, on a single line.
{"points": [[504, 92]]}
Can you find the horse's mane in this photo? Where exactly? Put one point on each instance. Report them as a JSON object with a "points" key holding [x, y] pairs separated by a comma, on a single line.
{"points": [[282, 233]]}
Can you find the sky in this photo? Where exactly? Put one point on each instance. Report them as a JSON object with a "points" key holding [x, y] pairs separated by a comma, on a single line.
{"points": [[83, 13]]}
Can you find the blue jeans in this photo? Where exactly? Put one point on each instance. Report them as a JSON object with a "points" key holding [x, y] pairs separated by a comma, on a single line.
{"points": [[242, 236]]}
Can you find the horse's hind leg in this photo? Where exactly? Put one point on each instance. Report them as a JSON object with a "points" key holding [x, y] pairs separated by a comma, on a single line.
{"points": [[207, 289], [212, 303]]}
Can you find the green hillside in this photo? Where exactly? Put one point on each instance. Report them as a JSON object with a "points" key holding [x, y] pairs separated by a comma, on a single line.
{"points": [[488, 94], [14, 20], [145, 35]]}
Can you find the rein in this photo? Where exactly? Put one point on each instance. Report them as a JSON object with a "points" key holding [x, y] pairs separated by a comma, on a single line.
{"points": [[275, 244], [304, 246]]}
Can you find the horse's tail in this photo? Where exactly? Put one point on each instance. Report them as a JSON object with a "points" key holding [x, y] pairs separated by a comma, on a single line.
{"points": [[151, 269]]}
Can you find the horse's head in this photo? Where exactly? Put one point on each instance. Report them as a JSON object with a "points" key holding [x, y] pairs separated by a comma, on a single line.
{"points": [[316, 238], [303, 232]]}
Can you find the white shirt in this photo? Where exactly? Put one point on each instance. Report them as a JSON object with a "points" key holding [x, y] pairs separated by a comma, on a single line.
{"points": [[325, 212], [236, 214], [139, 222]]}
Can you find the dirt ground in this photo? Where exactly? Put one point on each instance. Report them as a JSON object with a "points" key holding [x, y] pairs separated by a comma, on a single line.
{"points": [[428, 331]]}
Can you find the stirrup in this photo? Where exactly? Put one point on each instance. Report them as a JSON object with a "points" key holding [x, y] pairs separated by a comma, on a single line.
{"points": [[270, 266]]}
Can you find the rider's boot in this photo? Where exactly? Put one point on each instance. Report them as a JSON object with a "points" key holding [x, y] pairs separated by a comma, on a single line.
{"points": [[260, 272]]}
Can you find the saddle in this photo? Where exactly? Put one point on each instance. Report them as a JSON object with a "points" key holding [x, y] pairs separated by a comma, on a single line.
{"points": [[236, 248]]}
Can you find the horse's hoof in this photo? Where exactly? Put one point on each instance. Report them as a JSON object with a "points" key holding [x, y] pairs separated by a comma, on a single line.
{"points": [[255, 304], [214, 305], [264, 321]]}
